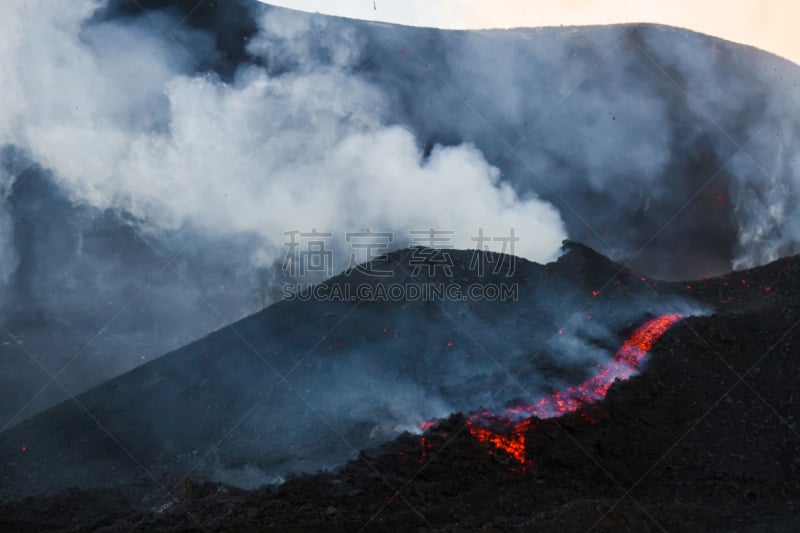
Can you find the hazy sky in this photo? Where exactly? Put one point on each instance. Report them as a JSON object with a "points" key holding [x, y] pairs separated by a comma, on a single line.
{"points": [[766, 24]]}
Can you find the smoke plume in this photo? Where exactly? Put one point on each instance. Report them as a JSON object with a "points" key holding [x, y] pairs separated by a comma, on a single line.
{"points": [[155, 155]]}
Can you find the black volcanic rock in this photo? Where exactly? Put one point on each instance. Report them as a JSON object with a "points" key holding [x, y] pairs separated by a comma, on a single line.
{"points": [[305, 384], [705, 439]]}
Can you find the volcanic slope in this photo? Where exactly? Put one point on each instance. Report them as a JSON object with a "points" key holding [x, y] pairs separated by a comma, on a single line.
{"points": [[705, 438], [356, 374]]}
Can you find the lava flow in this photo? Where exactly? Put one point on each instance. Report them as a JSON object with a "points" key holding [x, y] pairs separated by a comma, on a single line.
{"points": [[511, 437]]}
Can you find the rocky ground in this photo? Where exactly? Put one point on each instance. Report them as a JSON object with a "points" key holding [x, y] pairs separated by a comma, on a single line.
{"points": [[705, 439]]}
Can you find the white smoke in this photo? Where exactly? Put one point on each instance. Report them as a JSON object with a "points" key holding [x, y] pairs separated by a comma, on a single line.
{"points": [[766, 174], [126, 127]]}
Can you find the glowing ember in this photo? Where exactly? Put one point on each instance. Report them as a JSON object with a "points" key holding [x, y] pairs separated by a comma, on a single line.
{"points": [[427, 424], [623, 365], [513, 444]]}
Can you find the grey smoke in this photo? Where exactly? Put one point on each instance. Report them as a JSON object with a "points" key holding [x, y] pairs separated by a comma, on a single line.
{"points": [[8, 261], [137, 137]]}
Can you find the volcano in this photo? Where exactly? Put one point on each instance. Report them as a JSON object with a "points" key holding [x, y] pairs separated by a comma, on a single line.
{"points": [[617, 127], [630, 402], [278, 400]]}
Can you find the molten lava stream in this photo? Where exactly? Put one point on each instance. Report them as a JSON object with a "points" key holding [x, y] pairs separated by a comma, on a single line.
{"points": [[624, 363]]}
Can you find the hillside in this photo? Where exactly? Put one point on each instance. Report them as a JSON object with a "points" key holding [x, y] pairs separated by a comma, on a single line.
{"points": [[733, 459]]}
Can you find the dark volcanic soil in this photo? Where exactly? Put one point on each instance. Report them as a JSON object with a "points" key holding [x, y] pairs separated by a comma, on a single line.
{"points": [[705, 439]]}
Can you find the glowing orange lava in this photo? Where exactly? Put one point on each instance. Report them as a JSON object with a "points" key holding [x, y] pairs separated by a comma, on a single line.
{"points": [[624, 363]]}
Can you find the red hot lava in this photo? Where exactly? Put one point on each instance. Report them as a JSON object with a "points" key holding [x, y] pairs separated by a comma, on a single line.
{"points": [[624, 363]]}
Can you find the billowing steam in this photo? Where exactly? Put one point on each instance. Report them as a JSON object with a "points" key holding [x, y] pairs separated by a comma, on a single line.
{"points": [[263, 154]]}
